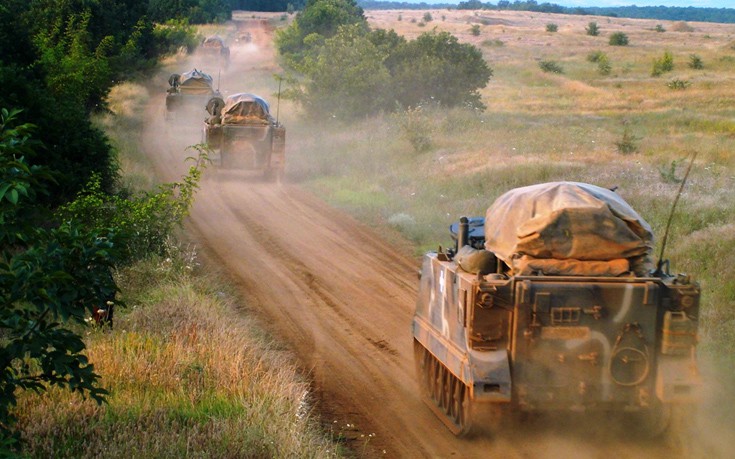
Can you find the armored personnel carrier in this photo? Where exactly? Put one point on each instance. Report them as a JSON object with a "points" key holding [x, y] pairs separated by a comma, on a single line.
{"points": [[214, 48], [189, 92], [243, 135], [552, 302]]}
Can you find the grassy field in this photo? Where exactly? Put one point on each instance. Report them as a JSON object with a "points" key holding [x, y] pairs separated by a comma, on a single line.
{"points": [[542, 126]]}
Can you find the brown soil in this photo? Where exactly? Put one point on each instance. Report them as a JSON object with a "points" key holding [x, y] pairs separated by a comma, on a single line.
{"points": [[341, 298]]}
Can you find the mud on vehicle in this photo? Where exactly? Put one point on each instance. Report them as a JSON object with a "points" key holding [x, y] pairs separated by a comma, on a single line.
{"points": [[552, 302], [243, 135], [189, 92]]}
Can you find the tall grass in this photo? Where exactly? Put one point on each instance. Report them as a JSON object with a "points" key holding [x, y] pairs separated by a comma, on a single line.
{"points": [[188, 377]]}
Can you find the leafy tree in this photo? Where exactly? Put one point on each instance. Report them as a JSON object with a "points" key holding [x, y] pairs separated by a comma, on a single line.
{"points": [[347, 76], [618, 39], [48, 278], [437, 67], [592, 29], [319, 20]]}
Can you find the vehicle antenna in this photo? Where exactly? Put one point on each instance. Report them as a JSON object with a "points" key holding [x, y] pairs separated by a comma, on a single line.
{"points": [[278, 103], [660, 263]]}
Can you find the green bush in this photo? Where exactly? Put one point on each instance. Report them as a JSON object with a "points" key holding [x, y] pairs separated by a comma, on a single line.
{"points": [[144, 221], [174, 35], [592, 29], [428, 17], [595, 56], [659, 28], [695, 62], [551, 27], [663, 64], [603, 65], [415, 128], [618, 39], [676, 83], [628, 143], [550, 67], [475, 30]]}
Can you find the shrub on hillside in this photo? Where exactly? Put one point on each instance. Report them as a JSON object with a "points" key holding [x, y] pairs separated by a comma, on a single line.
{"points": [[677, 84], [663, 64], [628, 142], [618, 39], [695, 62], [551, 27], [550, 67], [659, 28], [592, 29], [475, 30]]}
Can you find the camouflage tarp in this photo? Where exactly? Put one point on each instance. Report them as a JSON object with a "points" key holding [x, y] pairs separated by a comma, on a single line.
{"points": [[195, 82], [245, 108], [568, 221]]}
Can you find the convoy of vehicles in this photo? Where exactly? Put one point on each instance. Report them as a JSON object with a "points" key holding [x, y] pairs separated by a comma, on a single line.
{"points": [[552, 303]]}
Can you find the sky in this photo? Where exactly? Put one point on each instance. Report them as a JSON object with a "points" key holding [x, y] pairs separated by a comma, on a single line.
{"points": [[683, 3]]}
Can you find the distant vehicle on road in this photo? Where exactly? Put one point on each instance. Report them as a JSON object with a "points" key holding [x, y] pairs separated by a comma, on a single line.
{"points": [[243, 135], [189, 92]]}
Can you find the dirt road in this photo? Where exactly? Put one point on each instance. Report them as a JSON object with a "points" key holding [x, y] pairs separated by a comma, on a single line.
{"points": [[342, 299]]}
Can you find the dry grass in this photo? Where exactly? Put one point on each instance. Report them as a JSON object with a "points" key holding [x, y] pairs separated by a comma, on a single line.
{"points": [[188, 377]]}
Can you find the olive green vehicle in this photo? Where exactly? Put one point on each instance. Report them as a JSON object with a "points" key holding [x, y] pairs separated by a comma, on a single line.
{"points": [[552, 303], [243, 135]]}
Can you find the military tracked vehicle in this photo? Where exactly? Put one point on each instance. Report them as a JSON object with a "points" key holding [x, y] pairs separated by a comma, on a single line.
{"points": [[552, 302], [243, 135], [189, 92], [214, 48]]}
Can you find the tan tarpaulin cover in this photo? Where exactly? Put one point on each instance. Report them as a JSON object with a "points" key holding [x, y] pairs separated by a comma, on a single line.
{"points": [[195, 82], [213, 42], [246, 108], [568, 221]]}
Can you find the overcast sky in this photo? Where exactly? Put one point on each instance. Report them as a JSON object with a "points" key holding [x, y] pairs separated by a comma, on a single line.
{"points": [[695, 3]]}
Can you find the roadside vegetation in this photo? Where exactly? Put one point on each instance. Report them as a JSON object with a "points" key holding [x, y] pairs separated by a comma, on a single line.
{"points": [[187, 374], [85, 233]]}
